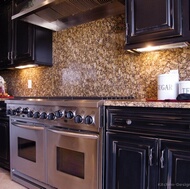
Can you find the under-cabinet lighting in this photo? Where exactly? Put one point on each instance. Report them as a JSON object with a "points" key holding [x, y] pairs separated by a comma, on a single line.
{"points": [[162, 47], [26, 66]]}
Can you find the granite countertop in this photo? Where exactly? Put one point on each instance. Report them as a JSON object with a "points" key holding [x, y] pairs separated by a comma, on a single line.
{"points": [[145, 103], [130, 102]]}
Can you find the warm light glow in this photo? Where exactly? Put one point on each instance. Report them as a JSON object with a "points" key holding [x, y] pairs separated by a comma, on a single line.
{"points": [[26, 66], [162, 47]]}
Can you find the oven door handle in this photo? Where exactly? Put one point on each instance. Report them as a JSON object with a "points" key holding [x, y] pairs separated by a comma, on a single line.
{"points": [[28, 126], [72, 134]]}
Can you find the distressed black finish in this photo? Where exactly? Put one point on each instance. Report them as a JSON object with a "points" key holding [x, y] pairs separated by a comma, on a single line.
{"points": [[22, 43], [156, 22], [147, 148]]}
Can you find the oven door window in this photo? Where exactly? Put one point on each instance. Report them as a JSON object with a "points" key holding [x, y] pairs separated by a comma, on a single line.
{"points": [[27, 149], [70, 162]]}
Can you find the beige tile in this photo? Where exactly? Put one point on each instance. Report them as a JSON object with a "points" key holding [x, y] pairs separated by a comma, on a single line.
{"points": [[6, 182]]}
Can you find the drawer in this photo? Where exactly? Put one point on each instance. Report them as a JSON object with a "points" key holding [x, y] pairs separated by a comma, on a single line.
{"points": [[148, 119]]}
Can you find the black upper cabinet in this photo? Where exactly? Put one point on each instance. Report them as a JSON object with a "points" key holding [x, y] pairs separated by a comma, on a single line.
{"points": [[23, 37], [5, 34], [22, 43], [42, 44], [32, 44], [157, 22]]}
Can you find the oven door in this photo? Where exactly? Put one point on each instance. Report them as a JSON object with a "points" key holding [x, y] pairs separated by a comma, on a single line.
{"points": [[27, 149], [72, 159]]}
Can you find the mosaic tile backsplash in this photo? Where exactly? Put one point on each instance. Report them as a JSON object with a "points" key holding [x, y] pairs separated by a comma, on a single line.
{"points": [[90, 60]]}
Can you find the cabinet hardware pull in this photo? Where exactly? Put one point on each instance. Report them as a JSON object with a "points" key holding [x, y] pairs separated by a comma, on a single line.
{"points": [[11, 55], [127, 29], [150, 157], [8, 56], [162, 160]]}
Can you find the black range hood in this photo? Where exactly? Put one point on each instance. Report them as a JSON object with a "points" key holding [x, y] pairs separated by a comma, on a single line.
{"points": [[61, 14]]}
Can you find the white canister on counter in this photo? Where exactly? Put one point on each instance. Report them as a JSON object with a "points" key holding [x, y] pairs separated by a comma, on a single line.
{"points": [[184, 87], [167, 86]]}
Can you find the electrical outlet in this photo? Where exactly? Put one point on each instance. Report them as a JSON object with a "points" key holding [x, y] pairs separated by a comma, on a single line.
{"points": [[29, 84]]}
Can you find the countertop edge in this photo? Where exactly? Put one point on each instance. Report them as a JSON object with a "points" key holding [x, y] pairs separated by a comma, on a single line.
{"points": [[145, 103]]}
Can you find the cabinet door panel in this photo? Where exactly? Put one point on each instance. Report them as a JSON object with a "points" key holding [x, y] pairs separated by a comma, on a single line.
{"points": [[130, 175], [175, 172], [23, 37], [43, 46], [131, 162], [5, 34], [152, 20], [4, 141], [4, 144]]}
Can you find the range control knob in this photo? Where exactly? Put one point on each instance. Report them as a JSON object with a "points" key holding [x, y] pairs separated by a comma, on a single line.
{"points": [[19, 110], [30, 114], [58, 114], [43, 115], [69, 115], [88, 120], [25, 110], [51, 116], [78, 119], [36, 115], [11, 112]]}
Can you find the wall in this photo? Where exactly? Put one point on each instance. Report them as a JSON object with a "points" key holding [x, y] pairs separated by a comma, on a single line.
{"points": [[90, 60]]}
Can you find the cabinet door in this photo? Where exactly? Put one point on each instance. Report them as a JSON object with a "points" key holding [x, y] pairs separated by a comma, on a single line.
{"points": [[5, 34], [152, 20], [130, 162], [4, 144], [32, 44], [43, 46], [23, 41], [174, 165]]}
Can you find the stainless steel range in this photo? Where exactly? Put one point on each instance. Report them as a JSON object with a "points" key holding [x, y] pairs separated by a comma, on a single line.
{"points": [[57, 143]]}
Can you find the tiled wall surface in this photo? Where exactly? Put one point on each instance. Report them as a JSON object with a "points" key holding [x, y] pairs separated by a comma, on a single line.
{"points": [[90, 60]]}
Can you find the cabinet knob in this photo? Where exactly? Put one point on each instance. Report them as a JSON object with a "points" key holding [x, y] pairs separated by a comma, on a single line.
{"points": [[129, 121]]}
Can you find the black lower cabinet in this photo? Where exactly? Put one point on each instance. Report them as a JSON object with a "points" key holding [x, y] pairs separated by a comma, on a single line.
{"points": [[131, 162], [174, 164], [4, 144], [135, 162], [147, 148]]}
